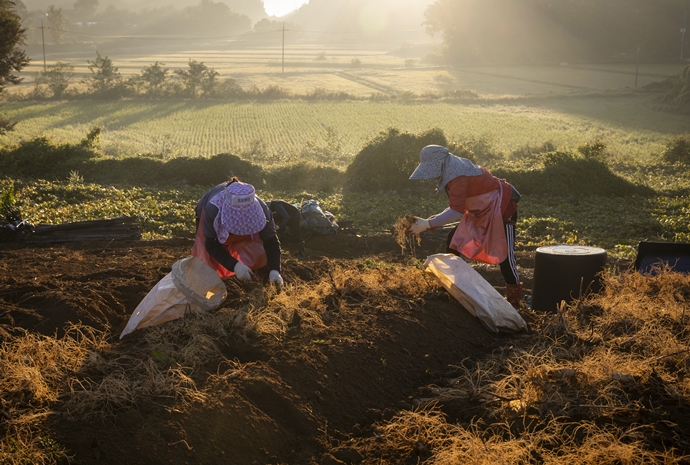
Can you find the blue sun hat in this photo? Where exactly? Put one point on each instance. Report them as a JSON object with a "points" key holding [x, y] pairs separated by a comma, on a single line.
{"points": [[435, 161]]}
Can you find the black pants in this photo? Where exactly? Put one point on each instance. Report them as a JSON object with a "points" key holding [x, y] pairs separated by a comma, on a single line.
{"points": [[508, 266]]}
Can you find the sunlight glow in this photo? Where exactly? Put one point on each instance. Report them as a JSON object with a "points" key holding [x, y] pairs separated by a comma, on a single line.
{"points": [[282, 7]]}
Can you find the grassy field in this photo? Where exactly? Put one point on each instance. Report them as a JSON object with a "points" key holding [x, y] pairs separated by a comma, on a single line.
{"points": [[278, 131]]}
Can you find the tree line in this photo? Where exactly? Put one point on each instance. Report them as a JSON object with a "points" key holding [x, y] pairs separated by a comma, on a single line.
{"points": [[524, 31], [85, 21]]}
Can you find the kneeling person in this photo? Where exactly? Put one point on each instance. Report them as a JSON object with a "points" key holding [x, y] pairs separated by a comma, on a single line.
{"points": [[235, 233]]}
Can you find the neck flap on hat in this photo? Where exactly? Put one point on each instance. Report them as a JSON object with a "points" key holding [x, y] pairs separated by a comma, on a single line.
{"points": [[240, 213], [454, 166]]}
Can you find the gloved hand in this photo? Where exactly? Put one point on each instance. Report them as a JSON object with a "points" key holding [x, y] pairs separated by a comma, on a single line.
{"points": [[243, 272], [419, 226], [275, 278]]}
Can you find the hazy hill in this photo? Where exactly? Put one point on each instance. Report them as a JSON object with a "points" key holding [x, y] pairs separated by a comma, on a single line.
{"points": [[254, 9]]}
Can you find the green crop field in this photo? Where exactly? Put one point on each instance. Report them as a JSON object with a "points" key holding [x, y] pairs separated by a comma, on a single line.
{"points": [[279, 131]]}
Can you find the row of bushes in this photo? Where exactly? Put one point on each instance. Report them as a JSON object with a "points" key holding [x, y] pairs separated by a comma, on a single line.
{"points": [[197, 81], [384, 164]]}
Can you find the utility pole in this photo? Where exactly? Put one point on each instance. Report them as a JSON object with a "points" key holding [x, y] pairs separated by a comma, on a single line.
{"points": [[682, 34], [283, 72], [637, 67], [43, 39]]}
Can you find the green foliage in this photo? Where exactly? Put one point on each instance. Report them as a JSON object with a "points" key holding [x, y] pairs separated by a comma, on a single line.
{"points": [[105, 80], [305, 176], [152, 79], [387, 161], [12, 57], [679, 94], [8, 209], [566, 173], [199, 80], [42, 158], [593, 151], [542, 30], [677, 150], [92, 139], [57, 77], [57, 24]]}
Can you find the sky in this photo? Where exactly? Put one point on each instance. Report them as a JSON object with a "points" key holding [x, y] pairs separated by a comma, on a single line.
{"points": [[282, 7]]}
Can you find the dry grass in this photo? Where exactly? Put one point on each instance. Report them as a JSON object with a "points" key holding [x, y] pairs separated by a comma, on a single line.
{"points": [[88, 375], [596, 383], [427, 435], [602, 381]]}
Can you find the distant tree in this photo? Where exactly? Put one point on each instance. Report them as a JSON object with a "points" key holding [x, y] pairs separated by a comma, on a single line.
{"points": [[105, 77], [86, 8], [539, 30], [12, 57], [153, 78], [254, 9], [57, 77], [57, 24], [214, 17], [198, 80]]}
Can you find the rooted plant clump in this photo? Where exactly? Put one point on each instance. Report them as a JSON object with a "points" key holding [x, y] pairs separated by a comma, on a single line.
{"points": [[403, 237]]}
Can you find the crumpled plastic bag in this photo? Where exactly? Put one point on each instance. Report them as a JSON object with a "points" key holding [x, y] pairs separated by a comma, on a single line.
{"points": [[191, 286], [317, 220], [474, 293]]}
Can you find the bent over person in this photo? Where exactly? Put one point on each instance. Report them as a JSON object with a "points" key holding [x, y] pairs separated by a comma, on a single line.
{"points": [[486, 207], [236, 234], [288, 221]]}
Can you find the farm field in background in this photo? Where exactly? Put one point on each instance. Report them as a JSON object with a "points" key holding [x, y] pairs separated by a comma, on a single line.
{"points": [[396, 68], [278, 131]]}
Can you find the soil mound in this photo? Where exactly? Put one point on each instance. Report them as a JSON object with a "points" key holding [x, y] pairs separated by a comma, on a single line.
{"points": [[267, 378]]}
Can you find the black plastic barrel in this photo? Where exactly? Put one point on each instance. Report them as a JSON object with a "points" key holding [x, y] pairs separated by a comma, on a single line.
{"points": [[563, 272]]}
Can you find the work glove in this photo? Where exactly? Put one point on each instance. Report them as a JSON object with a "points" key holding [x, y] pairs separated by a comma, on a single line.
{"points": [[243, 272], [420, 225], [275, 278]]}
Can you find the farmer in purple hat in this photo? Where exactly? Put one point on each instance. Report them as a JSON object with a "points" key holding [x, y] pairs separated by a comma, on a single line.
{"points": [[486, 207], [236, 234]]}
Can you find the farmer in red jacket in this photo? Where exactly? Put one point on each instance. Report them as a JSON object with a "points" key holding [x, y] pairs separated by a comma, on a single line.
{"points": [[486, 207]]}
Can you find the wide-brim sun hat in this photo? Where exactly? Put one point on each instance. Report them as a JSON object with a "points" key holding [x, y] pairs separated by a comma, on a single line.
{"points": [[430, 163], [435, 161], [239, 211]]}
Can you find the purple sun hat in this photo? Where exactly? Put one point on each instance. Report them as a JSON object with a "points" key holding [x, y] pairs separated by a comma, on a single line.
{"points": [[239, 211]]}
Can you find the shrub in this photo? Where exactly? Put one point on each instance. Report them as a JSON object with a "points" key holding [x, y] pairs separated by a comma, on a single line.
{"points": [[567, 173], [679, 94], [44, 159], [306, 176], [388, 160], [677, 150]]}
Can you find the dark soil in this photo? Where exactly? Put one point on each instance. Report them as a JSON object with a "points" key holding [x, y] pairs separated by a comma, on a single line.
{"points": [[309, 391]]}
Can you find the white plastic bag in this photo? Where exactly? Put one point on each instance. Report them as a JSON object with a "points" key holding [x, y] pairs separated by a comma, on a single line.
{"points": [[474, 293], [191, 286]]}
